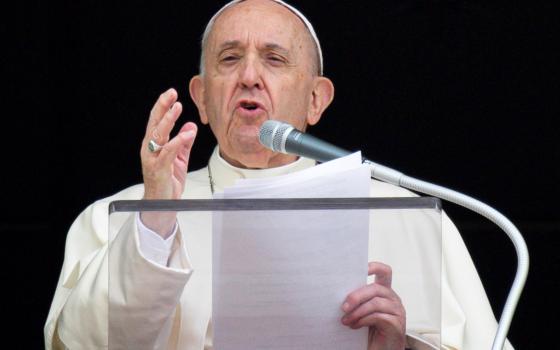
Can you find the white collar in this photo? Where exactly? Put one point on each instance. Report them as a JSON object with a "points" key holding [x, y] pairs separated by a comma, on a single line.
{"points": [[224, 174]]}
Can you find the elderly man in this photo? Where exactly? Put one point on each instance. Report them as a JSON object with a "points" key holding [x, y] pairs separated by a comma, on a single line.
{"points": [[260, 60]]}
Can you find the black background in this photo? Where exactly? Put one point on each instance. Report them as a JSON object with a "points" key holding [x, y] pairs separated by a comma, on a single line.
{"points": [[461, 93]]}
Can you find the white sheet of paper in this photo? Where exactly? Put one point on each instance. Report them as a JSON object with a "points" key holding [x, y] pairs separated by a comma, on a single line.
{"points": [[259, 187], [280, 277]]}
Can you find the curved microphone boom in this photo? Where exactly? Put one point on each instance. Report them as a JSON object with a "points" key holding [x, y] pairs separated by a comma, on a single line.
{"points": [[282, 137]]}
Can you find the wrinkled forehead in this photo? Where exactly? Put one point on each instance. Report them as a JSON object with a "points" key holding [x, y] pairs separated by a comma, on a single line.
{"points": [[271, 21]]}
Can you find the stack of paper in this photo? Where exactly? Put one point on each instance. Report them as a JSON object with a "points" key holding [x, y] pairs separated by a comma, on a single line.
{"points": [[280, 277]]}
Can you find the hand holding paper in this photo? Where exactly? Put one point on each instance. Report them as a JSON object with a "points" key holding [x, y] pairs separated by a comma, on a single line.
{"points": [[377, 306]]}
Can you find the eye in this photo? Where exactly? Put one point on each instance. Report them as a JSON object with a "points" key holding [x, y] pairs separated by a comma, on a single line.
{"points": [[275, 59], [229, 59]]}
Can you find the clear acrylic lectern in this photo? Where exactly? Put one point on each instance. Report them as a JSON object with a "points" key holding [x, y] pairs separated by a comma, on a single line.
{"points": [[270, 273]]}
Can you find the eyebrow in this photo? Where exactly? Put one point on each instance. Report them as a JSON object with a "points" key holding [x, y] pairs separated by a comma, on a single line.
{"points": [[228, 45], [276, 47], [236, 43]]}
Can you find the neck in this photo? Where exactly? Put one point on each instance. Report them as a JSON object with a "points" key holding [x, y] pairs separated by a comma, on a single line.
{"points": [[223, 174], [271, 160]]}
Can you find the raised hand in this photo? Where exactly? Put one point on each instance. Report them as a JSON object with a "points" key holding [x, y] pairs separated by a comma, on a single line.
{"points": [[164, 168]]}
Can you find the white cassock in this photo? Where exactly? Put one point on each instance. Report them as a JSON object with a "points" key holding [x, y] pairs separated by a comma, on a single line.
{"points": [[170, 307]]}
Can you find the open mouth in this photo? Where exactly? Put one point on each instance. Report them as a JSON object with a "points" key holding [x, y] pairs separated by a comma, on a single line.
{"points": [[251, 106]]}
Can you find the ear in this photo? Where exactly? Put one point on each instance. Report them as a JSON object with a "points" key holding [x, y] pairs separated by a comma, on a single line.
{"points": [[321, 97], [196, 89]]}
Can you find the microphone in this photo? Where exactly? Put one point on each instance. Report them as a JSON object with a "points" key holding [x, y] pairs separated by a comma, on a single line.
{"points": [[284, 138]]}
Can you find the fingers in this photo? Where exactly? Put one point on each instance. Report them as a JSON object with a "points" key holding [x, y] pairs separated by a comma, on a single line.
{"points": [[161, 130], [163, 116], [165, 174], [379, 307], [383, 273], [364, 304], [178, 147], [181, 162], [366, 293], [162, 105], [381, 321], [359, 316]]}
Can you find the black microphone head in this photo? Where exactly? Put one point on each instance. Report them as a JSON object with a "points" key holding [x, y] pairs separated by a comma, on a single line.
{"points": [[272, 134]]}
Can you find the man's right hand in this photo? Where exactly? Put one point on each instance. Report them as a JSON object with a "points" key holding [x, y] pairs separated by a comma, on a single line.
{"points": [[165, 171]]}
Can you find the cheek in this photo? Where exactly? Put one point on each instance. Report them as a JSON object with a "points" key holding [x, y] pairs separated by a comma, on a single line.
{"points": [[221, 115], [216, 103]]}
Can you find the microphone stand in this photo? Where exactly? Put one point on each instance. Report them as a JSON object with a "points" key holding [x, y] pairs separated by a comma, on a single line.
{"points": [[394, 177]]}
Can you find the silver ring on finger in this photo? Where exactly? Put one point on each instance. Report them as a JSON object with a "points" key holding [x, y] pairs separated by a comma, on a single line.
{"points": [[154, 147]]}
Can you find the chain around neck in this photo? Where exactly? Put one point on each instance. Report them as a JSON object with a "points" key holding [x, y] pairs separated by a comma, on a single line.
{"points": [[210, 179]]}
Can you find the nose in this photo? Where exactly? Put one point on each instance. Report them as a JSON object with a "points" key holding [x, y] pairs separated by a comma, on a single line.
{"points": [[250, 73]]}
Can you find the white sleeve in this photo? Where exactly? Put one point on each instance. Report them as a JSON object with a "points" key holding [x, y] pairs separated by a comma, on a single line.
{"points": [[152, 246], [141, 295]]}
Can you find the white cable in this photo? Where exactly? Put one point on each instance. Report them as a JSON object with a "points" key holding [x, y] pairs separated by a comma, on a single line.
{"points": [[386, 174]]}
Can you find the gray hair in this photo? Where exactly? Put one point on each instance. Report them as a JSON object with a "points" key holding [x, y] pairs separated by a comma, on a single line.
{"points": [[295, 11]]}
